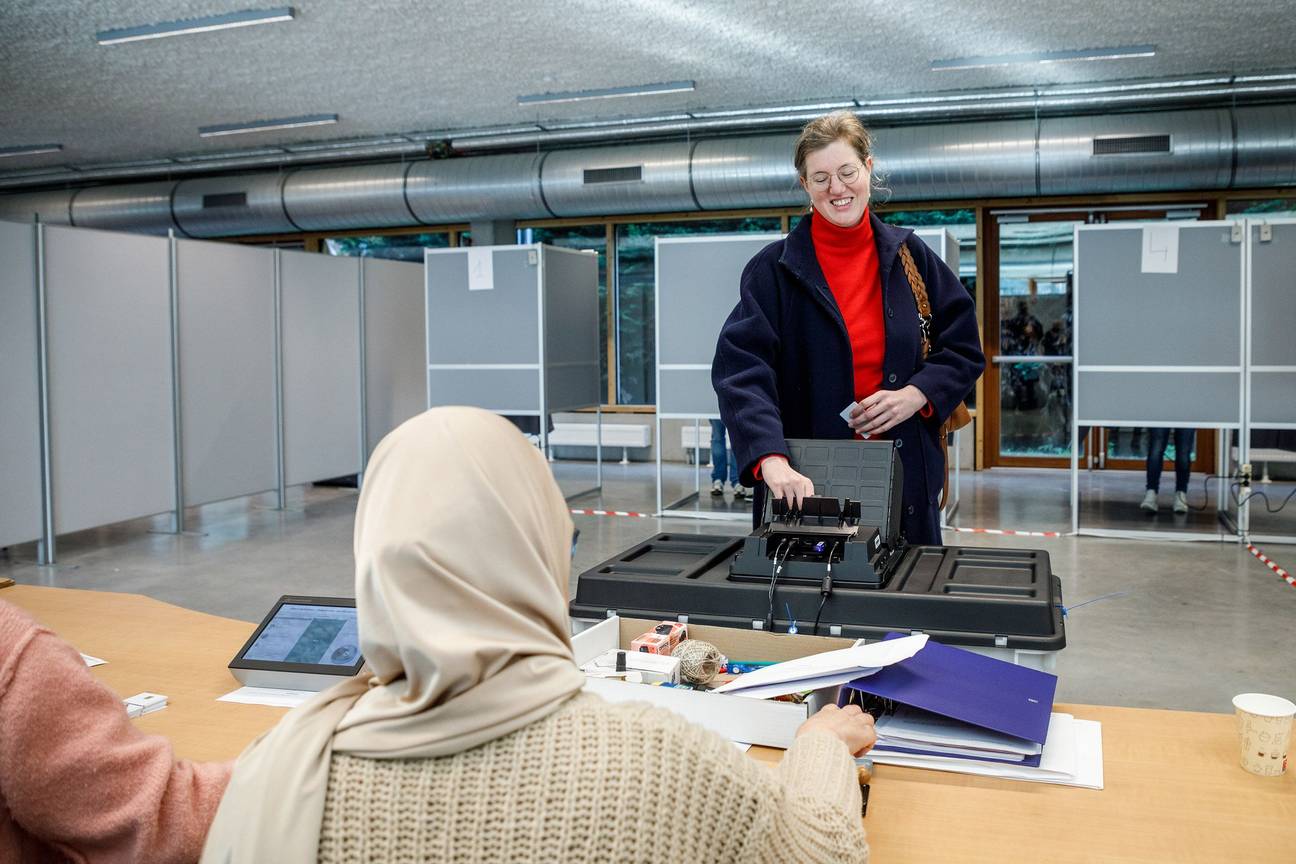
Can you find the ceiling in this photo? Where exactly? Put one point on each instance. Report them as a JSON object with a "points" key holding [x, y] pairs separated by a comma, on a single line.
{"points": [[400, 66]]}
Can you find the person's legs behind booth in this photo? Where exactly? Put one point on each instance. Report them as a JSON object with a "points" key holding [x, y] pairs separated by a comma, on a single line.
{"points": [[1157, 440]]}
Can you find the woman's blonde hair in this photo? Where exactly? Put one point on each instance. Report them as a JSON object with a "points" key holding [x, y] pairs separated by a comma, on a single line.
{"points": [[822, 131]]}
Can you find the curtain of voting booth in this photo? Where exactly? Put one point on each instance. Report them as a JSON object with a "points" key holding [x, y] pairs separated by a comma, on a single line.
{"points": [[1159, 333], [514, 330], [182, 372]]}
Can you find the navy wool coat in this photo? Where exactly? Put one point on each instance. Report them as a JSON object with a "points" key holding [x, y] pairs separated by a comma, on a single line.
{"points": [[783, 365]]}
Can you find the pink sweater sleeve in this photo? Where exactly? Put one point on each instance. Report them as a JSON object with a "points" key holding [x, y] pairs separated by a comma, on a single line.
{"points": [[75, 773]]}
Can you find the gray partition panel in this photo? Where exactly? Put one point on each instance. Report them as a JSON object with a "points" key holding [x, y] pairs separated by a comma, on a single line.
{"points": [[1166, 398], [508, 391], [321, 366], [394, 345], [571, 308], [1273, 398], [941, 242], [110, 376], [1273, 323], [501, 325], [1129, 318], [227, 368], [20, 479], [697, 288]]}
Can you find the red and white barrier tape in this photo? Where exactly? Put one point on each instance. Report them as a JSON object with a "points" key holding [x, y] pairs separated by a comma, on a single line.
{"points": [[630, 513], [1271, 565], [1004, 531]]}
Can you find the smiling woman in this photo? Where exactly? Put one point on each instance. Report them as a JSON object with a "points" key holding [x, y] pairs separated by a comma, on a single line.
{"points": [[827, 340]]}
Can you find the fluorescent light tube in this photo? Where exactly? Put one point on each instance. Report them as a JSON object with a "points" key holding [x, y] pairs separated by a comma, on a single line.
{"points": [[1121, 53], [206, 24], [29, 150], [267, 125], [608, 93]]}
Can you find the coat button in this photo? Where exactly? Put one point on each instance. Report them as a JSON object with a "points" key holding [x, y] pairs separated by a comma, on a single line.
{"points": [[890, 312], [891, 378], [899, 443], [910, 510]]}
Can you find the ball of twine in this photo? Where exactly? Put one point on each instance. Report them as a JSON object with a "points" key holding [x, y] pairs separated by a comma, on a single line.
{"points": [[700, 662]]}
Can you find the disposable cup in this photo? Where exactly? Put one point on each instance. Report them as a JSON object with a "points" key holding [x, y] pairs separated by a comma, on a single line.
{"points": [[1264, 725]]}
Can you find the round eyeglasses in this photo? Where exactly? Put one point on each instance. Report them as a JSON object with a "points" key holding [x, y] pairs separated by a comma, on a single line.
{"points": [[848, 174]]}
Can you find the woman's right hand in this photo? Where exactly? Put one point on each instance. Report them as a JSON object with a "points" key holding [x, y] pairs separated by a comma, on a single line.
{"points": [[784, 482], [850, 724]]}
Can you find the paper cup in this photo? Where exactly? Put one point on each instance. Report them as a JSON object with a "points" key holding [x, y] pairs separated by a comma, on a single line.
{"points": [[1264, 725]]}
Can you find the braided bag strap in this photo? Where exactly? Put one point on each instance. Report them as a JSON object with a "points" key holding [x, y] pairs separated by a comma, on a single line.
{"points": [[919, 289]]}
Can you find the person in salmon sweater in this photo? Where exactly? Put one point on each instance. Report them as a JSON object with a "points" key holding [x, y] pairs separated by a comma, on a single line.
{"points": [[78, 781]]}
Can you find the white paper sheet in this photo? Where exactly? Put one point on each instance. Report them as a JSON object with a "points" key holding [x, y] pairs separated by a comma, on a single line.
{"points": [[1072, 757], [1161, 249], [822, 670], [481, 269], [923, 730], [272, 696], [743, 748], [92, 661]]}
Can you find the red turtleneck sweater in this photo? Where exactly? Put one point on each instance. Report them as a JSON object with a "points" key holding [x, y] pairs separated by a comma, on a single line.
{"points": [[849, 260]]}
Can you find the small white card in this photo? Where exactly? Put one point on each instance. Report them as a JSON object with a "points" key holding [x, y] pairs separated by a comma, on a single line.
{"points": [[481, 268], [275, 697], [92, 661], [1160, 249], [144, 703], [848, 410]]}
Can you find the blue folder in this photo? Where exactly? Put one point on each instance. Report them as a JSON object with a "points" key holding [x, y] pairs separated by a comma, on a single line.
{"points": [[971, 688]]}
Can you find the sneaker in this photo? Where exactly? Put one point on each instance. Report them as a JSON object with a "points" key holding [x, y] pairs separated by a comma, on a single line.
{"points": [[1149, 501], [1181, 502], [741, 492], [717, 488]]}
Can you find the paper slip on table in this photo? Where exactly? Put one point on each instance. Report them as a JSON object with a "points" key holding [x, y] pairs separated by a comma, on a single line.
{"points": [[1174, 790]]}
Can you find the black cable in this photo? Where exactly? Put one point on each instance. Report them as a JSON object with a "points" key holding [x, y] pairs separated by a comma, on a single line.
{"points": [[825, 589], [1238, 502], [1206, 490], [769, 616]]}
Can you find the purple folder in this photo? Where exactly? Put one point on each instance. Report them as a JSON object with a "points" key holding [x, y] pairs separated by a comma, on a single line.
{"points": [[972, 688]]}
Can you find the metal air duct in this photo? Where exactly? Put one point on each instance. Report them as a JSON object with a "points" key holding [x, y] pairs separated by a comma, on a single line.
{"points": [[374, 197], [740, 173], [231, 206], [958, 160], [144, 208], [1265, 144], [611, 180], [488, 187], [53, 207]]}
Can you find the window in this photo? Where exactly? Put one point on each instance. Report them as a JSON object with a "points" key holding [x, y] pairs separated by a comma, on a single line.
{"points": [[636, 317], [1277, 208], [582, 237], [400, 247]]}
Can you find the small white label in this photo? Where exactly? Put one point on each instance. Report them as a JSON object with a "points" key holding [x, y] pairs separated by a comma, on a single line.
{"points": [[533, 257], [481, 269], [1160, 249]]}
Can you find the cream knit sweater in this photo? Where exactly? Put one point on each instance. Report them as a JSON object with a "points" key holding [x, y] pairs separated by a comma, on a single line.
{"points": [[596, 782]]}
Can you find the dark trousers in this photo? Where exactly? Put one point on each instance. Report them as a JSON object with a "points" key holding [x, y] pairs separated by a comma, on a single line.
{"points": [[1183, 441]]}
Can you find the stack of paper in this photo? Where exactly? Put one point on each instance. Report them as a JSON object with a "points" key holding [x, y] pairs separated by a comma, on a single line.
{"points": [[917, 730], [1072, 756]]}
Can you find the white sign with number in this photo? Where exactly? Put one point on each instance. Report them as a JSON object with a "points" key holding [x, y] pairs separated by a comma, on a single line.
{"points": [[481, 269]]}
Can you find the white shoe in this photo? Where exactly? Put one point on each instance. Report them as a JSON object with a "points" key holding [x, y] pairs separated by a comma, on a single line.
{"points": [[1181, 502], [717, 488], [1149, 501], [741, 492]]}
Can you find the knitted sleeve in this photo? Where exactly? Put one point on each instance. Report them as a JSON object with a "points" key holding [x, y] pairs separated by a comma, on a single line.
{"points": [[76, 773], [806, 810]]}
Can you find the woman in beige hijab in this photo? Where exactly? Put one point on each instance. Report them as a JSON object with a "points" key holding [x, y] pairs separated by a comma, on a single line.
{"points": [[470, 740]]}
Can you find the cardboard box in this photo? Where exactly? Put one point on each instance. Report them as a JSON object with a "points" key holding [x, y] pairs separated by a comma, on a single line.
{"points": [[738, 718]]}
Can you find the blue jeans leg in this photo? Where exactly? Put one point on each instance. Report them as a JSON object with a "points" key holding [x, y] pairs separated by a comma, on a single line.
{"points": [[719, 463], [1183, 439], [1157, 440]]}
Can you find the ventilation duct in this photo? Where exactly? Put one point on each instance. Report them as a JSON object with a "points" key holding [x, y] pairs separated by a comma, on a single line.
{"points": [[662, 186], [1199, 150], [488, 187], [200, 213], [1202, 156], [141, 207], [1265, 144], [374, 196]]}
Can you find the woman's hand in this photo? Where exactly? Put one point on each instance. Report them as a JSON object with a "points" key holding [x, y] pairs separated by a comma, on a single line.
{"points": [[850, 724], [784, 482], [885, 409]]}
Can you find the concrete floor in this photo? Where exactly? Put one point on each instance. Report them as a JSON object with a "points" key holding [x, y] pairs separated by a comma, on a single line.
{"points": [[1192, 623]]}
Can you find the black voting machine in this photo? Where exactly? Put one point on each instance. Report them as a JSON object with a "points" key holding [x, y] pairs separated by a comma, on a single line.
{"points": [[837, 565]]}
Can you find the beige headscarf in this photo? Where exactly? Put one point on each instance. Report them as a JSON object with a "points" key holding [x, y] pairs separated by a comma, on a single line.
{"points": [[463, 551]]}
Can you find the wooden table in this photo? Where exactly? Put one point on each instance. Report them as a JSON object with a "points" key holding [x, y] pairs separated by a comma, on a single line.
{"points": [[1174, 790]]}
